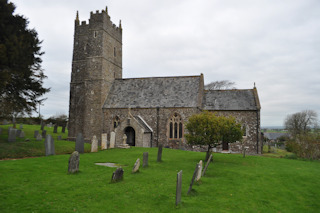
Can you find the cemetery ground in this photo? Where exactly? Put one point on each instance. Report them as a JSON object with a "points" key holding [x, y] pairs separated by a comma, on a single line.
{"points": [[231, 183]]}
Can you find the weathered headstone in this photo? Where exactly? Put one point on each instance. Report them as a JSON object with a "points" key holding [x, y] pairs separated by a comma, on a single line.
{"points": [[124, 144], [79, 143], [159, 153], [22, 134], [20, 126], [36, 133], [178, 189], [117, 175], [199, 171], [193, 177], [207, 164], [59, 138], [39, 137], [94, 144], [74, 161], [44, 133], [136, 166], [18, 132], [104, 141], [12, 135], [9, 129], [145, 159], [112, 139], [55, 128], [49, 145], [63, 130]]}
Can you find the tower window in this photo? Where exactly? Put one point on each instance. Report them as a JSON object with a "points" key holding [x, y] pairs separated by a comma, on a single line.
{"points": [[95, 34], [114, 52]]}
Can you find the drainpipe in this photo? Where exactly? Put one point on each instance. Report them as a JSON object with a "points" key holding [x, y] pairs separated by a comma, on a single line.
{"points": [[158, 109]]}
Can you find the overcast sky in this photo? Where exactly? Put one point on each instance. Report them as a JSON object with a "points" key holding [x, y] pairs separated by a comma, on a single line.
{"points": [[275, 44]]}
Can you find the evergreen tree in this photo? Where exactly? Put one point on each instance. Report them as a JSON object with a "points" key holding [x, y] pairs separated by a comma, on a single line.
{"points": [[21, 75]]}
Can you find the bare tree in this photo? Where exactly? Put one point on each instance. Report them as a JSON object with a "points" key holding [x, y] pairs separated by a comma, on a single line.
{"points": [[220, 85], [301, 122]]}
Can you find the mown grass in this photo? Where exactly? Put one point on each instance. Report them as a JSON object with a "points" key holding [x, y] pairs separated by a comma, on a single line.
{"points": [[30, 147]]}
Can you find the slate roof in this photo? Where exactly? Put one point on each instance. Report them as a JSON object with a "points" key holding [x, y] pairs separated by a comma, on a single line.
{"points": [[154, 92], [230, 100], [143, 123]]}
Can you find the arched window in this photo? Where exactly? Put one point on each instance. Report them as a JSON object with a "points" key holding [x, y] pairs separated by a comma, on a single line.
{"points": [[244, 130], [175, 127]]}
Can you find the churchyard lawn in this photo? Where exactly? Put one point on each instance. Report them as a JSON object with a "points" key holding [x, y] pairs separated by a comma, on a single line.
{"points": [[231, 184]]}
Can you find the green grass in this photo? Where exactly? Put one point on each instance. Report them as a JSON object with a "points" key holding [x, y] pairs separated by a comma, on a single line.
{"points": [[30, 147], [232, 183]]}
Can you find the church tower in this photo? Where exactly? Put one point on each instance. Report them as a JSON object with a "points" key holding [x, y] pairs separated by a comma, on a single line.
{"points": [[97, 61]]}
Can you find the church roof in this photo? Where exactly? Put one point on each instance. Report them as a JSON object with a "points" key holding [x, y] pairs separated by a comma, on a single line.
{"points": [[231, 100], [154, 92]]}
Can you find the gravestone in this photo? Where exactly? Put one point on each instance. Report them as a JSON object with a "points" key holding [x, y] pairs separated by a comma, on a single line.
{"points": [[199, 171], [22, 134], [145, 159], [12, 135], [59, 137], [207, 164], [104, 141], [178, 189], [117, 175], [74, 161], [79, 144], [20, 126], [55, 128], [18, 132], [159, 153], [49, 145], [112, 139], [193, 177], [9, 129], [44, 133], [36, 133], [124, 144], [39, 137], [94, 144], [136, 166], [63, 129]]}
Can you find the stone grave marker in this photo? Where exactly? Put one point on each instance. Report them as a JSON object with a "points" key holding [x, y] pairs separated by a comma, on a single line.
{"points": [[207, 164], [44, 133], [9, 129], [49, 145], [145, 159], [20, 126], [104, 141], [36, 133], [193, 177], [199, 171], [124, 144], [22, 134], [178, 189], [12, 135], [117, 175], [18, 132], [159, 153], [39, 137], [59, 137], [112, 139], [79, 143], [94, 144], [136, 166], [74, 161], [63, 130], [55, 128]]}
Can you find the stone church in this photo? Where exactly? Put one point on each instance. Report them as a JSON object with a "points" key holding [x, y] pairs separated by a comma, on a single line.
{"points": [[149, 111]]}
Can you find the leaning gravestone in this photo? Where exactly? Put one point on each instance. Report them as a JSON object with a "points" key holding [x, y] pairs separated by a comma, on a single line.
{"points": [[159, 153], [145, 159], [39, 137], [49, 145], [80, 143], [178, 189], [94, 144], [117, 175], [55, 128], [193, 177], [44, 133], [74, 161], [112, 139], [12, 135], [207, 164], [63, 129], [136, 166], [36, 133], [22, 134], [199, 171], [104, 141]]}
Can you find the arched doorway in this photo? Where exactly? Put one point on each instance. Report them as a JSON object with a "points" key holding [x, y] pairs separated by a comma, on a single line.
{"points": [[131, 136]]}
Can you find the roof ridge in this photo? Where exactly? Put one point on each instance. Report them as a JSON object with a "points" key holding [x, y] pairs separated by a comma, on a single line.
{"points": [[184, 76]]}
